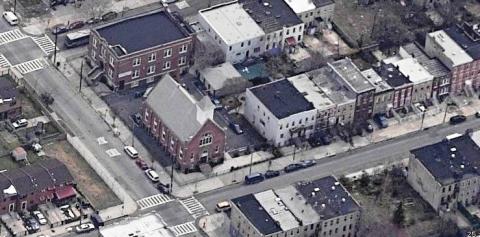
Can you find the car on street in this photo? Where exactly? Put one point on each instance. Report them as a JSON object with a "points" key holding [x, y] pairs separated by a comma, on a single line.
{"points": [[32, 225], [292, 167], [457, 119], [76, 25], [137, 118], [477, 114], [20, 123], [254, 178], [223, 206], [10, 17], [59, 29], [109, 16], [236, 128], [131, 152], [94, 20], [307, 163], [271, 174], [84, 228], [40, 217], [141, 164], [152, 175], [163, 188]]}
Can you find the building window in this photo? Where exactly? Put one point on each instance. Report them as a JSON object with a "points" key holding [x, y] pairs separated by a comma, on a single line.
{"points": [[136, 74], [94, 42], [182, 61], [217, 149], [184, 48], [151, 69], [241, 45], [102, 53], [167, 53], [206, 139], [249, 42], [166, 65], [111, 60], [299, 38], [136, 61], [230, 48], [288, 31], [110, 72], [152, 57]]}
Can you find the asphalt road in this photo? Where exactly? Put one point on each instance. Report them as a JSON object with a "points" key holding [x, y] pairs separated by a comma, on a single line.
{"points": [[360, 159]]}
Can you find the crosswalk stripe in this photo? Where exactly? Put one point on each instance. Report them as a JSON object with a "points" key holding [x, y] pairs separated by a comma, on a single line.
{"points": [[183, 229], [4, 62], [194, 207], [45, 43], [153, 201], [30, 66], [9, 36]]}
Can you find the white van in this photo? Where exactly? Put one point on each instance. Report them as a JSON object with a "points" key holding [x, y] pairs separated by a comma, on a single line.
{"points": [[132, 152], [152, 175], [10, 18]]}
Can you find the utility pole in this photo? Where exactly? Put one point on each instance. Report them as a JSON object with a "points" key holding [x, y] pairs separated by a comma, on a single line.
{"points": [[423, 118], [81, 77], [294, 151], [171, 176], [251, 161], [133, 132], [55, 49], [14, 6], [446, 108]]}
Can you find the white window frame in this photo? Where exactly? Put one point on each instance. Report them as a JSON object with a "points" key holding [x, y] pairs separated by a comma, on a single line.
{"points": [[184, 48], [110, 73], [167, 65], [182, 61], [167, 53], [150, 70], [137, 62], [111, 60], [135, 74], [152, 57], [94, 42], [93, 54]]}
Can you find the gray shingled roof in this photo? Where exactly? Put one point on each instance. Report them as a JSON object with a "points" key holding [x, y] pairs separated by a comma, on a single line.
{"points": [[178, 110]]}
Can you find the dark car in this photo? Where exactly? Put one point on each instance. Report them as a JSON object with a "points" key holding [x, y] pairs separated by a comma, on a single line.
{"points": [[32, 225], [236, 128], [141, 164], [59, 29], [138, 94], [307, 163], [292, 167], [109, 16], [94, 20], [76, 25], [457, 119], [271, 174], [163, 188], [137, 118]]}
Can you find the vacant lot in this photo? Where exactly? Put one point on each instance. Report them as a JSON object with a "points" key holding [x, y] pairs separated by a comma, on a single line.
{"points": [[88, 182], [380, 196]]}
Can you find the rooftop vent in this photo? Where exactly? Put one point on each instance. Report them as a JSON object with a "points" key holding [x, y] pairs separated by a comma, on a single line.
{"points": [[337, 183], [344, 200], [462, 166], [323, 205], [453, 149], [316, 189], [333, 188], [266, 4]]}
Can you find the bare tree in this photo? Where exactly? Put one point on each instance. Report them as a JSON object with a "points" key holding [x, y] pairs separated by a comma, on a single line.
{"points": [[94, 8], [207, 54]]}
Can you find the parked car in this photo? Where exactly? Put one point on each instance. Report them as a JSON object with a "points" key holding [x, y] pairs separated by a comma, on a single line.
{"points": [[163, 188], [76, 25], [20, 123], [223, 206], [137, 118], [10, 17], [236, 128], [254, 178], [477, 114], [271, 174], [381, 120], [59, 29], [138, 94], [152, 175], [109, 16], [40, 217], [307, 163], [141, 164], [131, 152], [457, 119], [32, 225], [292, 167], [94, 20], [84, 228]]}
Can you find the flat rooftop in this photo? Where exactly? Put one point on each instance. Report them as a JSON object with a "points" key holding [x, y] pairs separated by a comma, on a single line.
{"points": [[282, 98], [321, 3], [311, 92], [469, 44], [149, 225], [351, 75], [300, 6], [275, 207], [324, 78], [328, 197], [416, 73], [298, 205], [254, 212], [376, 80], [142, 32], [271, 15], [432, 65], [451, 160], [392, 75], [231, 22], [450, 48]]}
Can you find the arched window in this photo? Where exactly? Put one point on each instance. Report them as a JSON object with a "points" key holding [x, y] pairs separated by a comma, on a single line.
{"points": [[206, 139]]}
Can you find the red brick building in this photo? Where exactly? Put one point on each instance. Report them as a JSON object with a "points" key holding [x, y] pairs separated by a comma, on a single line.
{"points": [[401, 85], [27, 187], [138, 50], [183, 126]]}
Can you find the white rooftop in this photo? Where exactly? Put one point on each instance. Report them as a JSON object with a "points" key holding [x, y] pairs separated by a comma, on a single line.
{"points": [[300, 6], [149, 225], [376, 80], [476, 137], [218, 75], [275, 207], [311, 92], [451, 49], [414, 70], [297, 205], [232, 23]]}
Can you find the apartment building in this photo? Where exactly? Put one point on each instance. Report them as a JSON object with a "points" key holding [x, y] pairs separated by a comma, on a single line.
{"points": [[400, 83], [458, 48], [140, 49], [279, 112], [183, 126], [446, 174], [314, 13], [421, 79], [308, 208], [384, 93]]}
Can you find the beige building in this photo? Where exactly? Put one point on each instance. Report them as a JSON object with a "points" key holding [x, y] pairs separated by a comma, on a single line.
{"points": [[446, 173], [313, 13], [310, 208]]}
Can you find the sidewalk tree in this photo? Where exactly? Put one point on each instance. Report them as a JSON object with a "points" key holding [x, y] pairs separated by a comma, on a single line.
{"points": [[207, 54]]}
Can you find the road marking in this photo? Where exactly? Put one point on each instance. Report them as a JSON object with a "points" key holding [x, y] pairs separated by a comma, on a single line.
{"points": [[101, 141], [30, 66], [153, 201], [45, 43], [4, 61], [112, 152], [194, 207], [183, 229], [10, 36]]}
